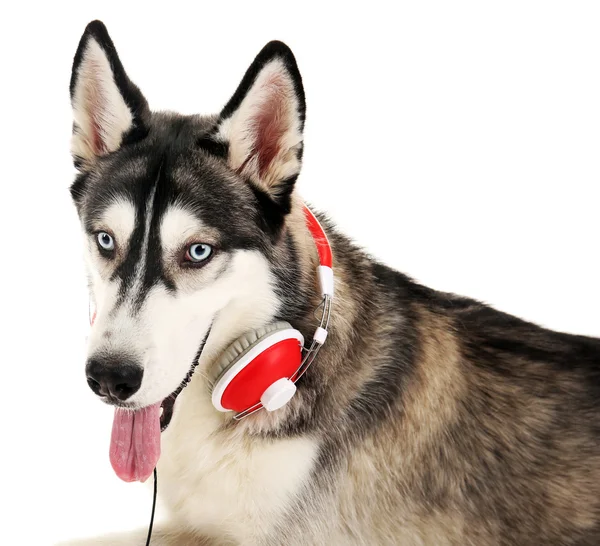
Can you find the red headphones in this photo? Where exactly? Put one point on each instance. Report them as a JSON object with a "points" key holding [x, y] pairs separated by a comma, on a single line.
{"points": [[260, 368]]}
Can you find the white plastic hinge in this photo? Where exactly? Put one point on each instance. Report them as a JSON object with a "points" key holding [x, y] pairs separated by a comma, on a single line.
{"points": [[325, 280], [320, 335]]}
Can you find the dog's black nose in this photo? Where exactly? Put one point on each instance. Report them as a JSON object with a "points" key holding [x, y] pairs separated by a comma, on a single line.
{"points": [[113, 377]]}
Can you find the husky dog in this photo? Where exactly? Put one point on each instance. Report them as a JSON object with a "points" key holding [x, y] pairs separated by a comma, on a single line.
{"points": [[426, 419]]}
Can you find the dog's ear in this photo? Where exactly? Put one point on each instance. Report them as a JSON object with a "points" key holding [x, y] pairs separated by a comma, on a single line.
{"points": [[108, 109], [262, 123]]}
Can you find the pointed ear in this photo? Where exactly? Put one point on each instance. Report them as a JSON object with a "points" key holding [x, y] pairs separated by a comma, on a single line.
{"points": [[262, 124], [108, 109]]}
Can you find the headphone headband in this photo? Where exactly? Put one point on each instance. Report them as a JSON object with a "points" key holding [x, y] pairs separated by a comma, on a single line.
{"points": [[323, 246]]}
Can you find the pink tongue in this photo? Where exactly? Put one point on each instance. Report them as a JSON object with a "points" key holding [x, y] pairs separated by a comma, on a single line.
{"points": [[135, 443]]}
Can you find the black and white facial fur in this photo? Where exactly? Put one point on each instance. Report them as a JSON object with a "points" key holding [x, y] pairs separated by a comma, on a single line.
{"points": [[184, 216]]}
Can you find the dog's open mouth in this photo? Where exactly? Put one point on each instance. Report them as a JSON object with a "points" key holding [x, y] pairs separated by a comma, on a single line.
{"points": [[135, 440]]}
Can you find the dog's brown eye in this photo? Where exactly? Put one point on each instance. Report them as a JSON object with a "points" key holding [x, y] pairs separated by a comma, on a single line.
{"points": [[198, 252]]}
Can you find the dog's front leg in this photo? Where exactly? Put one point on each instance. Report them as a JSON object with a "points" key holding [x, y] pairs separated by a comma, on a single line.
{"points": [[161, 536]]}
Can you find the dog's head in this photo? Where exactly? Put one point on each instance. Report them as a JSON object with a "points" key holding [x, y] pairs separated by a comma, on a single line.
{"points": [[180, 214]]}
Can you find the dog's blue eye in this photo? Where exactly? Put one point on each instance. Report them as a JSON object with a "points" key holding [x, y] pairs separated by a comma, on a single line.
{"points": [[105, 241], [198, 252]]}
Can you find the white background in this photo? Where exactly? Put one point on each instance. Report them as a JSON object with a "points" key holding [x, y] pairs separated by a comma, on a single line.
{"points": [[457, 141]]}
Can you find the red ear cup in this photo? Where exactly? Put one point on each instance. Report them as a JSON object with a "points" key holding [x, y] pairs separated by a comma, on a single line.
{"points": [[256, 375]]}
